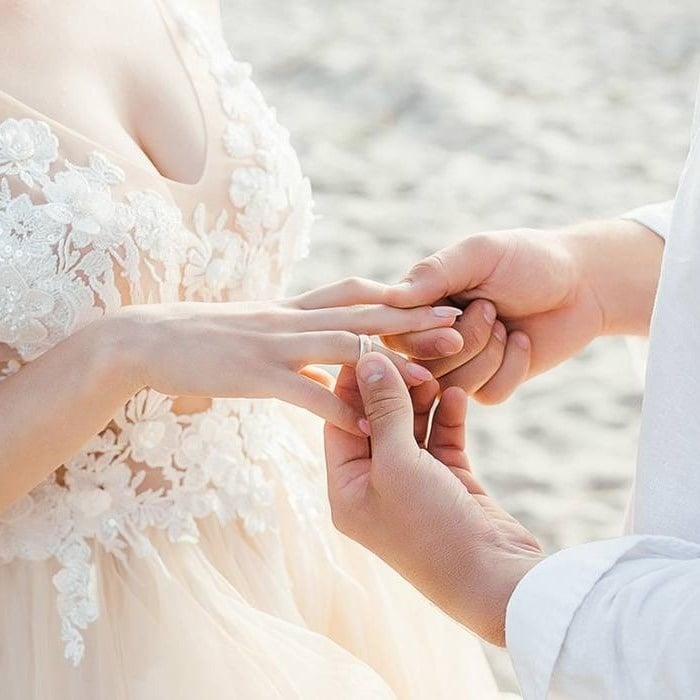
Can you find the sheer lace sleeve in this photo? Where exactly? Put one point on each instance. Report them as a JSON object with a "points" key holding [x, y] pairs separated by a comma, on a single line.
{"points": [[71, 246]]}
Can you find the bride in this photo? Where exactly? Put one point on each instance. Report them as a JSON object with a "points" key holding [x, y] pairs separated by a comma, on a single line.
{"points": [[156, 543]]}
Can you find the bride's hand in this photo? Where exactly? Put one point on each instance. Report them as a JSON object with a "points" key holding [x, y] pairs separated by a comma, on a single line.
{"points": [[263, 349]]}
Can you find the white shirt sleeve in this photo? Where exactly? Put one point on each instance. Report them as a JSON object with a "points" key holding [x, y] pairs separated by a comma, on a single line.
{"points": [[656, 217], [613, 620]]}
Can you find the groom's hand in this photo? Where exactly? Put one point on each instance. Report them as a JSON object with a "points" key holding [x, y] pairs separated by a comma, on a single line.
{"points": [[531, 278], [420, 508], [554, 291]]}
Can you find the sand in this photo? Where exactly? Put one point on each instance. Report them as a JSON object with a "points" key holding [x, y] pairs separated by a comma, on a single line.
{"points": [[424, 120]]}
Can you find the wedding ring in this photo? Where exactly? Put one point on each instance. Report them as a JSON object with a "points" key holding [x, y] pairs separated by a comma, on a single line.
{"points": [[365, 344]]}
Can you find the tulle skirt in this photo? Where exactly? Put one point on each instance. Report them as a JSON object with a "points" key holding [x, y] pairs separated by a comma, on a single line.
{"points": [[298, 612]]}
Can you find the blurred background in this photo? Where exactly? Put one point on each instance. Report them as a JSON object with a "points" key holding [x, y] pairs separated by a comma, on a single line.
{"points": [[420, 121]]}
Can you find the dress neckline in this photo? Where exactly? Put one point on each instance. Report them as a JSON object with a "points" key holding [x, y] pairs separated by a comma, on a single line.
{"points": [[167, 21]]}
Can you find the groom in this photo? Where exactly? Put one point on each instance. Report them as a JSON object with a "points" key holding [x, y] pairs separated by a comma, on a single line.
{"points": [[607, 620]]}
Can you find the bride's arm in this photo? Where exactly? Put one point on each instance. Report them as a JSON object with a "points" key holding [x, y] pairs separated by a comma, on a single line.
{"points": [[55, 404]]}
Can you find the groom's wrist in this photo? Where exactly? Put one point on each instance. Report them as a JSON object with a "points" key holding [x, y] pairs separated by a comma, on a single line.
{"points": [[619, 261]]}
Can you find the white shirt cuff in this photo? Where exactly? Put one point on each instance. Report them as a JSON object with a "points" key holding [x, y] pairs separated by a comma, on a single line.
{"points": [[656, 217], [544, 603]]}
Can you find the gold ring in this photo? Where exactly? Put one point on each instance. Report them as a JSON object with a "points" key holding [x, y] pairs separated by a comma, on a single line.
{"points": [[365, 344]]}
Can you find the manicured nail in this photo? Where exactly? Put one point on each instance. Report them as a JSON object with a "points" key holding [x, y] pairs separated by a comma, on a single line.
{"points": [[371, 372], [404, 284], [522, 341], [418, 372], [363, 425], [490, 313], [447, 312]]}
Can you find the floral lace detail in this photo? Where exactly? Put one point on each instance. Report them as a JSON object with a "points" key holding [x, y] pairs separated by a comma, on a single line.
{"points": [[76, 243], [27, 149], [224, 462], [268, 189], [58, 256]]}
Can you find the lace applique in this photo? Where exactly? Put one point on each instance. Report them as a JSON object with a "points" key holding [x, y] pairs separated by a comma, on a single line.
{"points": [[58, 256], [76, 243], [27, 150], [222, 462], [222, 264], [273, 198]]}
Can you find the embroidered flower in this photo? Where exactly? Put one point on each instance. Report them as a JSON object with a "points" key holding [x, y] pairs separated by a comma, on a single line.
{"points": [[238, 140], [154, 441], [157, 226], [27, 149], [150, 428], [242, 101], [27, 229], [250, 497], [247, 184], [217, 263], [22, 309], [85, 205], [76, 584], [227, 71]]}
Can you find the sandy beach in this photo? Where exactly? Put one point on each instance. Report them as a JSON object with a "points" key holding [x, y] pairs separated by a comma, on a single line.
{"points": [[421, 121]]}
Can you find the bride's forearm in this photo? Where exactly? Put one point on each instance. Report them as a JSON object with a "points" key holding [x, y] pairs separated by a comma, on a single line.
{"points": [[621, 261], [55, 404]]}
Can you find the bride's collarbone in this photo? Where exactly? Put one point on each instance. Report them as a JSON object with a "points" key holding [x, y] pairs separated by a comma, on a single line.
{"points": [[142, 105]]}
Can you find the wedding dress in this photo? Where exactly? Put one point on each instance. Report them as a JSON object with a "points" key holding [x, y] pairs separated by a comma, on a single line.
{"points": [[186, 556]]}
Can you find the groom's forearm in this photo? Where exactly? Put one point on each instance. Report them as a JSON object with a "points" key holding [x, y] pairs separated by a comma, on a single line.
{"points": [[622, 260]]}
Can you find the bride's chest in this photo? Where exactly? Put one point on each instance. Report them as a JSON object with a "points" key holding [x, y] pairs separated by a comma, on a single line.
{"points": [[84, 231]]}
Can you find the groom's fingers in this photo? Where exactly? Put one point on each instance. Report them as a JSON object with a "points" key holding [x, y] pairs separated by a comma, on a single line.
{"points": [[473, 374], [388, 409], [343, 447], [423, 398], [512, 373], [473, 328], [447, 436], [450, 271], [433, 344]]}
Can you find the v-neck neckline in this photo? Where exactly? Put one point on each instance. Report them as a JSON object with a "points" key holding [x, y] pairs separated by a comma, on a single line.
{"points": [[167, 21]]}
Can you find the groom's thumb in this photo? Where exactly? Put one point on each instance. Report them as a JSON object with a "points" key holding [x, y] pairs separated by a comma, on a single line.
{"points": [[387, 406]]}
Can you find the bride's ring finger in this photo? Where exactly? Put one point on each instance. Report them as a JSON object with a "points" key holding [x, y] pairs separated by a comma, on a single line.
{"points": [[366, 344], [343, 348]]}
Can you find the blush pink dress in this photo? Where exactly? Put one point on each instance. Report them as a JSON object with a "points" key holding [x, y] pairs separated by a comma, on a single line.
{"points": [[186, 556]]}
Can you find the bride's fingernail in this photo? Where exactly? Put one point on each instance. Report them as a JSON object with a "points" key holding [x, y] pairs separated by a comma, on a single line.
{"points": [[447, 312], [363, 425], [403, 284], [418, 372]]}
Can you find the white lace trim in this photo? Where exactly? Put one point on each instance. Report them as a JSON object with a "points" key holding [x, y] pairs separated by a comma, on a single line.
{"points": [[222, 462], [70, 251], [273, 198]]}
